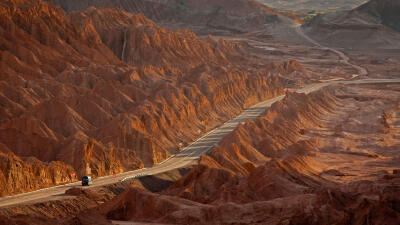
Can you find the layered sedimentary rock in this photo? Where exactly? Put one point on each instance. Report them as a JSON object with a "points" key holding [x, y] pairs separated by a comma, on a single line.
{"points": [[111, 95]]}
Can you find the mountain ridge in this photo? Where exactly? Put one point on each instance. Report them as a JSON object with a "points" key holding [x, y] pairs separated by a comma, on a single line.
{"points": [[70, 96]]}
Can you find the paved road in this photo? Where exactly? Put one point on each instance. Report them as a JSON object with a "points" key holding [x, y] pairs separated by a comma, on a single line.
{"points": [[190, 154], [187, 156]]}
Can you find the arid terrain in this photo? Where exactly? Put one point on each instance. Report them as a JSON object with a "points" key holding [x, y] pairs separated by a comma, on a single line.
{"points": [[206, 16], [99, 98], [375, 22], [324, 5], [338, 163], [261, 118]]}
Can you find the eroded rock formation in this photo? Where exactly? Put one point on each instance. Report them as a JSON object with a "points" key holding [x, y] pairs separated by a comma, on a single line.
{"points": [[230, 15], [277, 164], [110, 95]]}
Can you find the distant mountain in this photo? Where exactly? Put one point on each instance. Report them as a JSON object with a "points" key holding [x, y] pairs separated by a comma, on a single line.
{"points": [[386, 12], [375, 24], [233, 15], [324, 5]]}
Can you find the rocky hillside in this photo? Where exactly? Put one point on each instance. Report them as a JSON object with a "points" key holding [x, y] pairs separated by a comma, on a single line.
{"points": [[80, 93], [139, 41], [372, 25], [231, 15], [274, 164]]}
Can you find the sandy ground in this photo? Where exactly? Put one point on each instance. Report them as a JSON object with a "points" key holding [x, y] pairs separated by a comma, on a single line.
{"points": [[356, 142], [380, 63], [320, 63], [283, 43]]}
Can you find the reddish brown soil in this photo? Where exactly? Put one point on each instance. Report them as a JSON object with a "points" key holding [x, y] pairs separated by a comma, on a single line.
{"points": [[110, 91], [380, 63], [80, 91], [329, 157]]}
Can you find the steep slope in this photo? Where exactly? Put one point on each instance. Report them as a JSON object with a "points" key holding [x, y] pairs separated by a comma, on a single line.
{"points": [[323, 207], [232, 15], [38, 43], [273, 159], [16, 174], [375, 23], [69, 95], [323, 5], [42, 35], [138, 40], [386, 12], [271, 171]]}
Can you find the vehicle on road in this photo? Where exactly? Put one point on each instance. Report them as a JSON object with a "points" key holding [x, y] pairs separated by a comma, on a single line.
{"points": [[86, 181]]}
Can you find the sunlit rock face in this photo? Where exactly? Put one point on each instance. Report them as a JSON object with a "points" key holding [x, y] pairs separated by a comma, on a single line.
{"points": [[110, 91], [280, 162]]}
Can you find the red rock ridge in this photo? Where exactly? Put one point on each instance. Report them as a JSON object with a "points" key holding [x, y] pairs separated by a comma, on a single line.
{"points": [[238, 188], [248, 151], [16, 174], [228, 15], [68, 98], [139, 41]]}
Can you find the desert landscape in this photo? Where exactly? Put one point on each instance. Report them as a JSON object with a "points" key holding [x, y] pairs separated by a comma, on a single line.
{"points": [[199, 112], [329, 5]]}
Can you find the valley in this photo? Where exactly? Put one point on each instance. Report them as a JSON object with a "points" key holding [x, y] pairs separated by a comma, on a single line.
{"points": [[199, 112]]}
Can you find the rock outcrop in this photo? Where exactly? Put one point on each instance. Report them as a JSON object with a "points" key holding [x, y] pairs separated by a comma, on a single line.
{"points": [[325, 206], [230, 15], [264, 167], [273, 159], [110, 95], [139, 41], [17, 175]]}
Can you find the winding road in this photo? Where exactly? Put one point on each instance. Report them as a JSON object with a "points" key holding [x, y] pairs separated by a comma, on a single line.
{"points": [[190, 154], [345, 59]]}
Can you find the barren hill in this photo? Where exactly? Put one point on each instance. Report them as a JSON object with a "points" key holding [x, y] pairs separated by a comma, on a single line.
{"points": [[81, 92], [386, 12], [297, 159], [231, 15], [139, 41], [324, 5], [103, 90], [373, 25]]}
